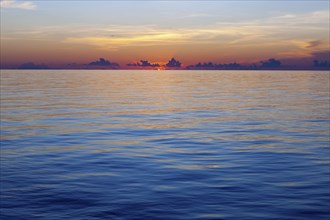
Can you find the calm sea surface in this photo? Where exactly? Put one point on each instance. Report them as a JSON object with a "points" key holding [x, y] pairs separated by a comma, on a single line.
{"points": [[165, 145]]}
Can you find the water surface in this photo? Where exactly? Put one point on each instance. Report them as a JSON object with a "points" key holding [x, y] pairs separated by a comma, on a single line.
{"points": [[164, 145]]}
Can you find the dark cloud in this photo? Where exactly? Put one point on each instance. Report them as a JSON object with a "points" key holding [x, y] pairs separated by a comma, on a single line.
{"points": [[103, 62], [308, 61], [173, 63], [321, 59], [144, 63], [30, 66], [214, 66], [321, 64], [271, 63]]}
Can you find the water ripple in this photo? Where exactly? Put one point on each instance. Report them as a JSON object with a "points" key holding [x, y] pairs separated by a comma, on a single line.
{"points": [[164, 145]]}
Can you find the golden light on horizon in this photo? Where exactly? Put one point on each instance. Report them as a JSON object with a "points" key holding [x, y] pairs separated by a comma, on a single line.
{"points": [[190, 38]]}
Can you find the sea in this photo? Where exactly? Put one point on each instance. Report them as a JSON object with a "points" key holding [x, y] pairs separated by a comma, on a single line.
{"points": [[168, 145]]}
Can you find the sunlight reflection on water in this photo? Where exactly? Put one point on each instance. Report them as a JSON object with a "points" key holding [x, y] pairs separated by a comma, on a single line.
{"points": [[164, 145]]}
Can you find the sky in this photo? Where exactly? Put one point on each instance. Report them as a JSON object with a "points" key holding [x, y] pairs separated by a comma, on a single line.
{"points": [[64, 32]]}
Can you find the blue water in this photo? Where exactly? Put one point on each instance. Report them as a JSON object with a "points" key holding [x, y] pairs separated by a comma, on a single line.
{"points": [[165, 145]]}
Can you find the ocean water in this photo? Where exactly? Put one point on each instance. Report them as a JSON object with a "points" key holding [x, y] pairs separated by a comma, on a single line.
{"points": [[165, 145]]}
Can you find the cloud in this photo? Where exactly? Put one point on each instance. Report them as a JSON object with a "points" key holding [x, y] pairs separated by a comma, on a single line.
{"points": [[173, 63], [315, 43], [31, 65], [271, 63], [281, 29], [304, 48], [25, 5], [115, 36], [315, 17], [275, 40], [309, 44], [144, 63], [284, 35], [103, 62]]}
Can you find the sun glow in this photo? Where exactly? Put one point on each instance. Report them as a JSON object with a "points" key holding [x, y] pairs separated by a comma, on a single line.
{"points": [[209, 33]]}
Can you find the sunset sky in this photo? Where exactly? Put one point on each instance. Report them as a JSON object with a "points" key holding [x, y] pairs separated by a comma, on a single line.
{"points": [[62, 32]]}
